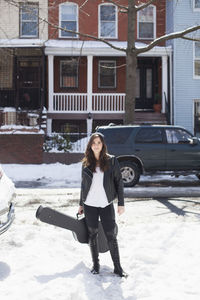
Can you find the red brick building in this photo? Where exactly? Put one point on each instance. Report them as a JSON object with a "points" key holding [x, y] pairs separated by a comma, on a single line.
{"points": [[86, 77]]}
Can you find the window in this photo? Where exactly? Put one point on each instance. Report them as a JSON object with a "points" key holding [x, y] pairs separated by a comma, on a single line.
{"points": [[197, 59], [68, 18], [146, 23], [107, 74], [107, 21], [177, 136], [29, 20], [196, 4], [69, 73], [149, 135]]}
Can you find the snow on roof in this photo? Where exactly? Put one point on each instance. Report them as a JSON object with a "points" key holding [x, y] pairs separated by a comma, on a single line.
{"points": [[73, 47], [19, 129], [21, 43]]}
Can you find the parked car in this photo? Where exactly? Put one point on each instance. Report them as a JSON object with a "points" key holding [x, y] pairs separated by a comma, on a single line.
{"points": [[148, 149], [7, 195]]}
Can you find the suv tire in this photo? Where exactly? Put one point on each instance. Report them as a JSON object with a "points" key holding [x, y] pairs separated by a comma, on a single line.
{"points": [[130, 173]]}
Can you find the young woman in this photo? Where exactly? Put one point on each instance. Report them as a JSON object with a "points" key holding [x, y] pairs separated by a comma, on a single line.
{"points": [[101, 183]]}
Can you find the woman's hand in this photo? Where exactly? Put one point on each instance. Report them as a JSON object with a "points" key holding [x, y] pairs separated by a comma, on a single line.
{"points": [[120, 210], [80, 210]]}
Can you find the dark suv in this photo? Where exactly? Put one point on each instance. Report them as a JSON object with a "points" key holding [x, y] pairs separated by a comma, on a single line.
{"points": [[148, 149]]}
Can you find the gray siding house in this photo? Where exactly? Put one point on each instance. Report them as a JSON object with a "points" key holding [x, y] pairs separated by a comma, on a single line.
{"points": [[185, 85]]}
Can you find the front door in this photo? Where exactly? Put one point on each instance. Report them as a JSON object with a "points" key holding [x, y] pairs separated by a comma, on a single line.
{"points": [[29, 83], [145, 81]]}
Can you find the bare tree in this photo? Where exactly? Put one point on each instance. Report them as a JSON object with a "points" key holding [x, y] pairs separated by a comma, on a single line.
{"points": [[131, 8]]}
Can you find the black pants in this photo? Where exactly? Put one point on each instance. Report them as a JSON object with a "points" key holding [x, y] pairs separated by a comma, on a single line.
{"points": [[106, 214]]}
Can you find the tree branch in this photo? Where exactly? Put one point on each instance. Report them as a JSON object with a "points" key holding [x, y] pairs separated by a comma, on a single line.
{"points": [[191, 39], [123, 7], [167, 37], [144, 5]]}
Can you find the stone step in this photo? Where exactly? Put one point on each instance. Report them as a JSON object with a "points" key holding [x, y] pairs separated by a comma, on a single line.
{"points": [[150, 118]]}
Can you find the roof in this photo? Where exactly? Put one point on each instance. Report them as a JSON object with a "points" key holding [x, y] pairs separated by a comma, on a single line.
{"points": [[97, 48]]}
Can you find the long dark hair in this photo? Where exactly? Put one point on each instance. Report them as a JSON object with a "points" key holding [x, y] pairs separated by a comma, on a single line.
{"points": [[89, 159]]}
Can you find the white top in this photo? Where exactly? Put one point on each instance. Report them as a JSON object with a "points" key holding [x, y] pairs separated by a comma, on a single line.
{"points": [[97, 196]]}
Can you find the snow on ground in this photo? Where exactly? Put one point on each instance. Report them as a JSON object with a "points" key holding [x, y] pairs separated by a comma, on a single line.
{"points": [[60, 175], [159, 245], [159, 250]]}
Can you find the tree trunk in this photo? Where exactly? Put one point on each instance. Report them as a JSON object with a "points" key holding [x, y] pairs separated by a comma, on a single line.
{"points": [[131, 65]]}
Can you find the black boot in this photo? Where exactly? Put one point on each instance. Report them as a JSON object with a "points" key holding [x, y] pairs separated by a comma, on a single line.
{"points": [[114, 251], [93, 242]]}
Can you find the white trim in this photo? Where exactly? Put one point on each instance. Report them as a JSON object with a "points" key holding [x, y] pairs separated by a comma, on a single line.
{"points": [[97, 48], [51, 81], [194, 59], [116, 22], [115, 74], [89, 82], [194, 8], [77, 18], [7, 43], [154, 24]]}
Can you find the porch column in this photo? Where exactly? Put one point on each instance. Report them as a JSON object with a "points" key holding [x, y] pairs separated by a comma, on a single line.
{"points": [[164, 81], [49, 126], [89, 92], [50, 81]]}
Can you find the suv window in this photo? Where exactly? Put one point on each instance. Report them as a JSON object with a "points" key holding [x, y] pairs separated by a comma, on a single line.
{"points": [[149, 135], [116, 135], [177, 136]]}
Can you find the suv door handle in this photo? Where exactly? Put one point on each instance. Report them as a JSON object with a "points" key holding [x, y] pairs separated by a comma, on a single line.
{"points": [[173, 150], [137, 150]]}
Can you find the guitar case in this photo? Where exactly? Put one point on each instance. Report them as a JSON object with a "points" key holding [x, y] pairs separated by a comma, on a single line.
{"points": [[76, 225]]}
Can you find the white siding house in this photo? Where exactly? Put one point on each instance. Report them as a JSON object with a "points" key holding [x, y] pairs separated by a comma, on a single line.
{"points": [[185, 64]]}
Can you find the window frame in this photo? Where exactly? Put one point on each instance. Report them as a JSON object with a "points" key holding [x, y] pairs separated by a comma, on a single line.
{"points": [[99, 21], [154, 24], [115, 74], [28, 4], [195, 8], [77, 18], [194, 59], [77, 76]]}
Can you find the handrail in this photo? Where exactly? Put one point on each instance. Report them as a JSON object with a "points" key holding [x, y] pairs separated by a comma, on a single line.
{"points": [[167, 109]]}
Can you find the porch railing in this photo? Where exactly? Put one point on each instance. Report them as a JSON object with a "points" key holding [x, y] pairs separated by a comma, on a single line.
{"points": [[69, 102], [79, 103], [108, 102]]}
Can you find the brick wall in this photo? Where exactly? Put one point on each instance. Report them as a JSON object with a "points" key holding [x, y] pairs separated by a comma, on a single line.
{"points": [[21, 148]]}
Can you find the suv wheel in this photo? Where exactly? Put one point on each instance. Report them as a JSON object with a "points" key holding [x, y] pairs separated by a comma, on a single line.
{"points": [[130, 173]]}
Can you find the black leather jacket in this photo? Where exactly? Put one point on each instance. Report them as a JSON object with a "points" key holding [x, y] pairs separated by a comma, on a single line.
{"points": [[112, 182]]}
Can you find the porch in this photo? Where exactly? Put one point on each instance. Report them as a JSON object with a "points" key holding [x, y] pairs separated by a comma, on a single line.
{"points": [[81, 96], [97, 106]]}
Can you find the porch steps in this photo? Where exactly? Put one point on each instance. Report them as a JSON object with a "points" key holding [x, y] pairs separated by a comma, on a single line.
{"points": [[150, 118]]}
